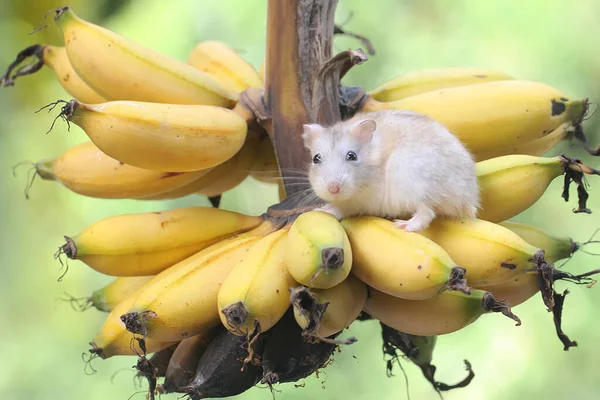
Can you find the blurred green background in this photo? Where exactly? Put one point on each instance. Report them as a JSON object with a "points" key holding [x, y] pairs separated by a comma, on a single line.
{"points": [[42, 338]]}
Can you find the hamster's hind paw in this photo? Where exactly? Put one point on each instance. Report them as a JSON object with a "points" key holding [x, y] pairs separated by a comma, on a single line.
{"points": [[400, 223], [412, 225]]}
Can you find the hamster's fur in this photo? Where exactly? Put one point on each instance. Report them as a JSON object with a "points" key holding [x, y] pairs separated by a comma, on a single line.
{"points": [[392, 164]]}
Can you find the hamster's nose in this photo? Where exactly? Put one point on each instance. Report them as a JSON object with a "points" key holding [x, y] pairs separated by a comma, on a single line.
{"points": [[334, 188]]}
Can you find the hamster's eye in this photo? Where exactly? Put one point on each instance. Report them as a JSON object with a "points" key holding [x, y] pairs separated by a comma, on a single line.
{"points": [[317, 159], [351, 156]]}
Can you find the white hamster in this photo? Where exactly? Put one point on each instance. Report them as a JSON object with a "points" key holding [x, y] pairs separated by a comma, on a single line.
{"points": [[392, 164]]}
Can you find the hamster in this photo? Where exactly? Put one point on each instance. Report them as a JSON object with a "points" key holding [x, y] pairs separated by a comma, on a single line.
{"points": [[394, 164]]}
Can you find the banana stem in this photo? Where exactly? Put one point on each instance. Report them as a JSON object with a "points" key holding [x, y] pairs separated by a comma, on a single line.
{"points": [[37, 51], [580, 135], [493, 305], [135, 322], [559, 300], [574, 171], [147, 370], [457, 281]]}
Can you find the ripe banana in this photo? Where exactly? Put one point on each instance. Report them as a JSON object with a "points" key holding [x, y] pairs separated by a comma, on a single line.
{"points": [[511, 184], [86, 170], [325, 312], [147, 243], [56, 58], [114, 340], [427, 80], [489, 115], [317, 250], [491, 253], [255, 294], [222, 63], [555, 247], [121, 69], [181, 301], [106, 298], [265, 167], [221, 178], [536, 147], [232, 172], [516, 290], [160, 137], [399, 263], [446, 313]]}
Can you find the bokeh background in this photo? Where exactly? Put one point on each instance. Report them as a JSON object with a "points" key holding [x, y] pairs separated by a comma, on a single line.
{"points": [[42, 338]]}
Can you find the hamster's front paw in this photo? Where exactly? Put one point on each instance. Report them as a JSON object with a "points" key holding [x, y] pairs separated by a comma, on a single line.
{"points": [[329, 209]]}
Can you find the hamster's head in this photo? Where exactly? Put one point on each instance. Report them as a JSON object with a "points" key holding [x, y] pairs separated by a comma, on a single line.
{"points": [[342, 159]]}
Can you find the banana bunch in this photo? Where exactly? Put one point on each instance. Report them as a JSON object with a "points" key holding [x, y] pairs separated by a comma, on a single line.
{"points": [[226, 300], [148, 111]]}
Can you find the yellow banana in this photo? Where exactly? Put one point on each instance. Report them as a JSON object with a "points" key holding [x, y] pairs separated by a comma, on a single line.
{"points": [[491, 253], [147, 243], [516, 290], [222, 63], [492, 114], [86, 170], [255, 294], [161, 137], [181, 301], [121, 69], [536, 147], [439, 315], [232, 172], [106, 298], [114, 340], [427, 80], [511, 184], [265, 167], [343, 304], [555, 247], [57, 59], [317, 250], [221, 178], [402, 264]]}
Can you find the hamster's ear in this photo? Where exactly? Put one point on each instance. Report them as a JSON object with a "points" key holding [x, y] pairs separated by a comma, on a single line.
{"points": [[363, 130], [310, 133]]}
